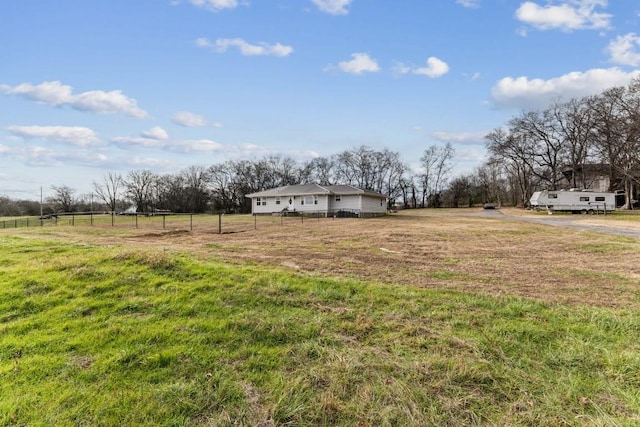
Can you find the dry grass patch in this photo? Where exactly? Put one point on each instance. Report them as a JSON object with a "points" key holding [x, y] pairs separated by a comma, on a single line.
{"points": [[453, 249]]}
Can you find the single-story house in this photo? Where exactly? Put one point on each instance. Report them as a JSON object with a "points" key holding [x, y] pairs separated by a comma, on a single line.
{"points": [[323, 200]]}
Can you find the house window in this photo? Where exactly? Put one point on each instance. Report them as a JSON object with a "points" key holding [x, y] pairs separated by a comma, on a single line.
{"points": [[584, 199], [553, 196], [261, 201], [600, 199], [309, 200], [338, 197], [277, 200]]}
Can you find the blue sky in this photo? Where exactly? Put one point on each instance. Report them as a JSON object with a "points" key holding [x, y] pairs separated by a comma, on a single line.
{"points": [[95, 86]]}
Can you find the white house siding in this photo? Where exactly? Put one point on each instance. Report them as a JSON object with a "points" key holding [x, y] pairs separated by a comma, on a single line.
{"points": [[311, 208], [296, 204], [268, 208], [373, 205], [352, 199], [346, 203]]}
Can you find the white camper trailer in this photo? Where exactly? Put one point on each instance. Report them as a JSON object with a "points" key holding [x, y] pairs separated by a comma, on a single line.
{"points": [[574, 201]]}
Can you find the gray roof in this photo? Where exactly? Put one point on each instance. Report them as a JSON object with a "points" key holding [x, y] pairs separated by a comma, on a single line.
{"points": [[313, 189]]}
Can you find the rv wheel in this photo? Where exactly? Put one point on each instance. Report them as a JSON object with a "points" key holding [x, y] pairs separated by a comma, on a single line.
{"points": [[591, 212]]}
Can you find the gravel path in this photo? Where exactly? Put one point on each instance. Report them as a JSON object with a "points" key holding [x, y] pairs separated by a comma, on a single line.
{"points": [[597, 223]]}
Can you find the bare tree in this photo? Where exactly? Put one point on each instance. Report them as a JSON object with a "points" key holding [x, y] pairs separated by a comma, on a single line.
{"points": [[576, 123], [196, 181], [437, 163], [139, 185], [540, 129], [617, 134], [515, 153], [491, 183], [63, 198], [321, 170], [363, 167], [109, 189]]}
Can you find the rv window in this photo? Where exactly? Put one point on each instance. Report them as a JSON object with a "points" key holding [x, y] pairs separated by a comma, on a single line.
{"points": [[553, 196], [600, 199], [584, 199], [277, 200]]}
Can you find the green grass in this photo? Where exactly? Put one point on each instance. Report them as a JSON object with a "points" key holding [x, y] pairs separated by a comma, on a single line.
{"points": [[122, 336]]}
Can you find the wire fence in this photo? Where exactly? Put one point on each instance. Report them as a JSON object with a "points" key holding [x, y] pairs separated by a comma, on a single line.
{"points": [[214, 223]]}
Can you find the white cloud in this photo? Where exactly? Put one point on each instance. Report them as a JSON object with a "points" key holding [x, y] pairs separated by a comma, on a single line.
{"points": [[471, 154], [75, 135], [42, 156], [4, 148], [97, 101], [246, 49], [472, 4], [333, 7], [568, 15], [459, 137], [624, 50], [129, 141], [200, 145], [151, 163], [525, 93], [435, 68], [184, 146], [215, 5], [204, 42], [360, 63], [191, 120], [155, 133]]}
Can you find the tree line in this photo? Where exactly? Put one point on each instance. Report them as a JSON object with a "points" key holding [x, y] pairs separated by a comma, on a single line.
{"points": [[569, 144], [223, 187], [552, 148]]}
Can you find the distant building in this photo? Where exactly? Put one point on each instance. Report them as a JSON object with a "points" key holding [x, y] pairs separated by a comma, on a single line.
{"points": [[314, 199], [594, 177]]}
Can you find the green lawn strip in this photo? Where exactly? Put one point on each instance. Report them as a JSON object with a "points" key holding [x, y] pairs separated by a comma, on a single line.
{"points": [[108, 336]]}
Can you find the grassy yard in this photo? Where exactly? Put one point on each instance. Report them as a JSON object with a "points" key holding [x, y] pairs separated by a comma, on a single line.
{"points": [[409, 320]]}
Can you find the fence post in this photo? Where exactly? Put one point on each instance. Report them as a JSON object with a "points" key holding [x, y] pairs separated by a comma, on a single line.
{"points": [[191, 221], [301, 217], [91, 218], [255, 221], [73, 219], [15, 223], [220, 223], [164, 217], [27, 222], [112, 217], [136, 221]]}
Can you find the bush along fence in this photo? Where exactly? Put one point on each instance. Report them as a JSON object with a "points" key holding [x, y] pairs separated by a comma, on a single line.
{"points": [[215, 223]]}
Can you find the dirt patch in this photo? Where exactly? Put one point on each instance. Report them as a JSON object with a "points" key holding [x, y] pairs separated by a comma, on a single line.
{"points": [[162, 234]]}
